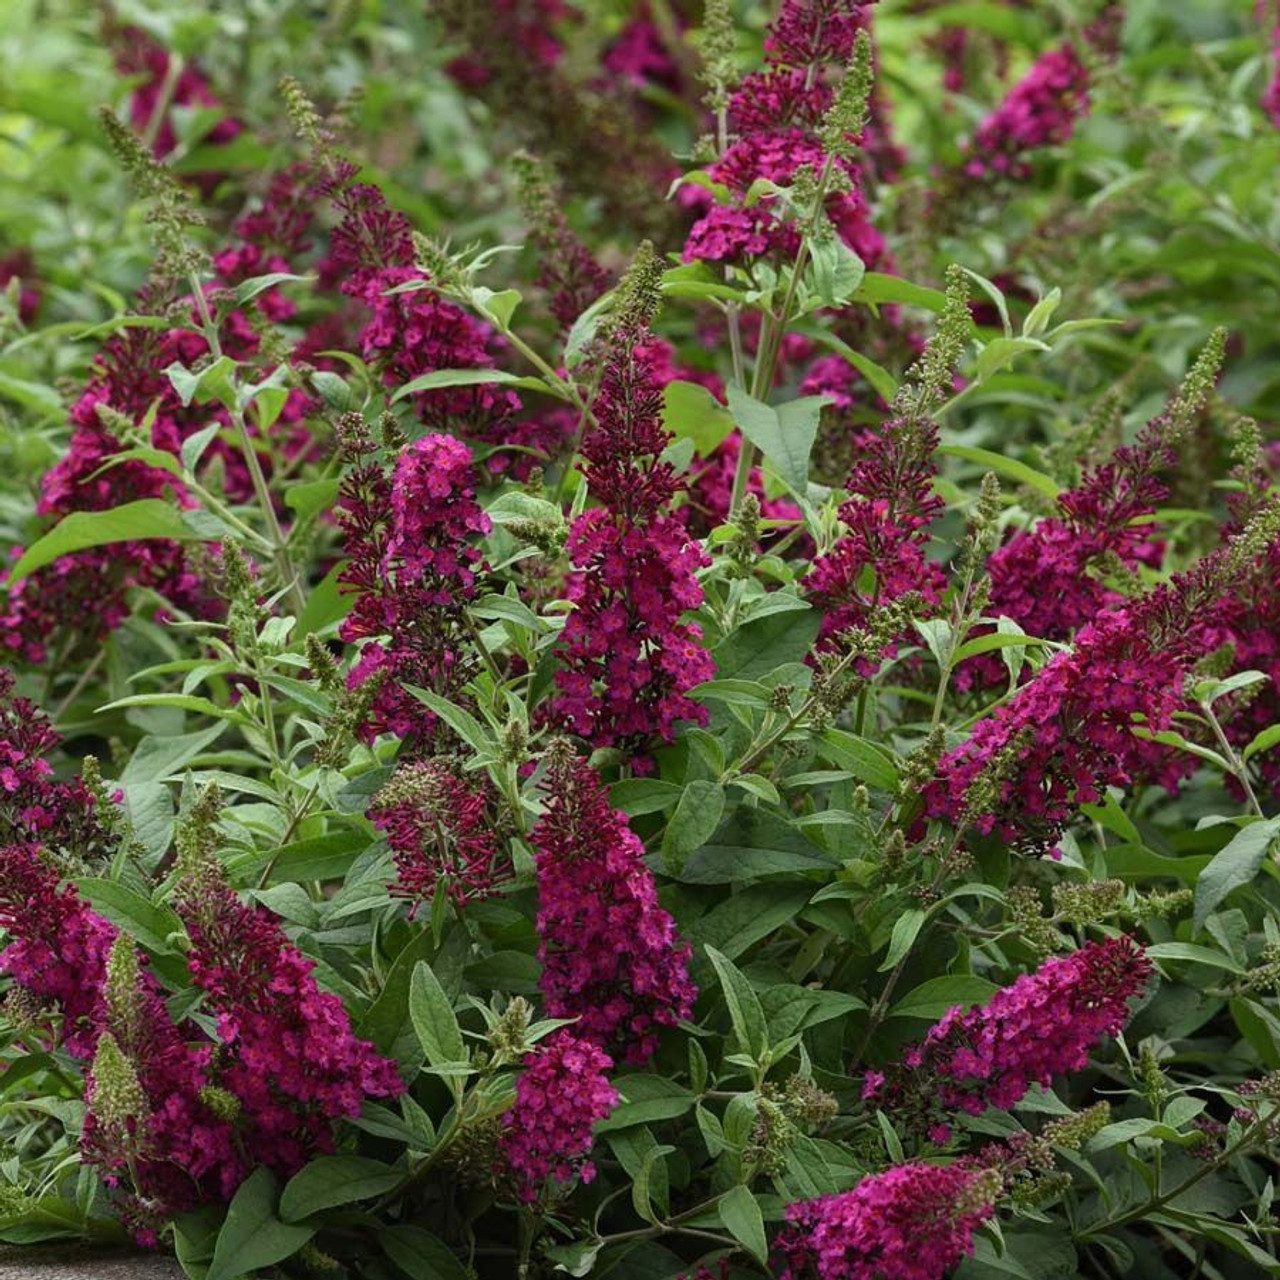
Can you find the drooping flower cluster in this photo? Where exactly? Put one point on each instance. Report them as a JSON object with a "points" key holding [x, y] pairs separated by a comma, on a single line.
{"points": [[412, 565], [1043, 108], [611, 956], [912, 1222], [1043, 1024], [776, 115], [288, 1054], [1067, 734], [562, 1094], [442, 830], [628, 657]]}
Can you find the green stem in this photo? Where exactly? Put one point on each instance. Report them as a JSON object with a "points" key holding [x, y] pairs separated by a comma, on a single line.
{"points": [[1238, 766], [275, 536]]}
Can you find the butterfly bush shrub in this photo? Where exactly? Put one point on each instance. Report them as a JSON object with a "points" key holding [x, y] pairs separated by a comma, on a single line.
{"points": [[641, 640]]}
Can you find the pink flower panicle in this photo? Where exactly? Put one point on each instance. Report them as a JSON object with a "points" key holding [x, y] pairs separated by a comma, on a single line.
{"points": [[611, 956], [1049, 579], [412, 566], [562, 1094], [776, 114], [35, 807], [912, 1222], [1042, 1025], [886, 516], [179, 1153], [1271, 97], [58, 948], [288, 1053], [140, 55], [441, 830], [1043, 108], [628, 657], [419, 331], [1067, 734]]}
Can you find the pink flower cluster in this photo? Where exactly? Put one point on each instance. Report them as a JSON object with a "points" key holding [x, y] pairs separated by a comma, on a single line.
{"points": [[628, 657], [161, 91], [441, 829], [561, 1095], [1066, 735], [35, 807], [1042, 109], [611, 956], [59, 946], [886, 518], [412, 566], [912, 1222], [1043, 1024], [419, 332], [775, 114], [288, 1053], [1049, 578], [181, 1152]]}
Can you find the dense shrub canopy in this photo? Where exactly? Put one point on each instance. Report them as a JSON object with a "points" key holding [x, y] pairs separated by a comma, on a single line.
{"points": [[641, 640]]}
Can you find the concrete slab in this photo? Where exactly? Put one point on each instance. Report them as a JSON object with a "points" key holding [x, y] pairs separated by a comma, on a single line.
{"points": [[72, 1262]]}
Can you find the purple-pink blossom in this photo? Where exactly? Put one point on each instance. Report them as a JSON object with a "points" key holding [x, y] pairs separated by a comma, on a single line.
{"points": [[611, 956], [911, 1222], [560, 1097]]}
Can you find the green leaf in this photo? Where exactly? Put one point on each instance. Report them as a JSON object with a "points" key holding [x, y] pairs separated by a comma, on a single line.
{"points": [[31, 395], [691, 412], [329, 1181], [837, 270], [318, 858], [876, 287], [128, 910], [905, 930], [998, 463], [467, 378], [462, 722], [1233, 866], [744, 1005], [742, 919], [884, 383], [646, 1099], [157, 759], [433, 1018], [315, 495], [754, 842], [249, 289], [499, 306], [993, 640], [740, 1213], [762, 645], [783, 433], [694, 821], [1193, 954], [865, 760], [935, 998], [420, 1255], [252, 1236], [1263, 741], [133, 522]]}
